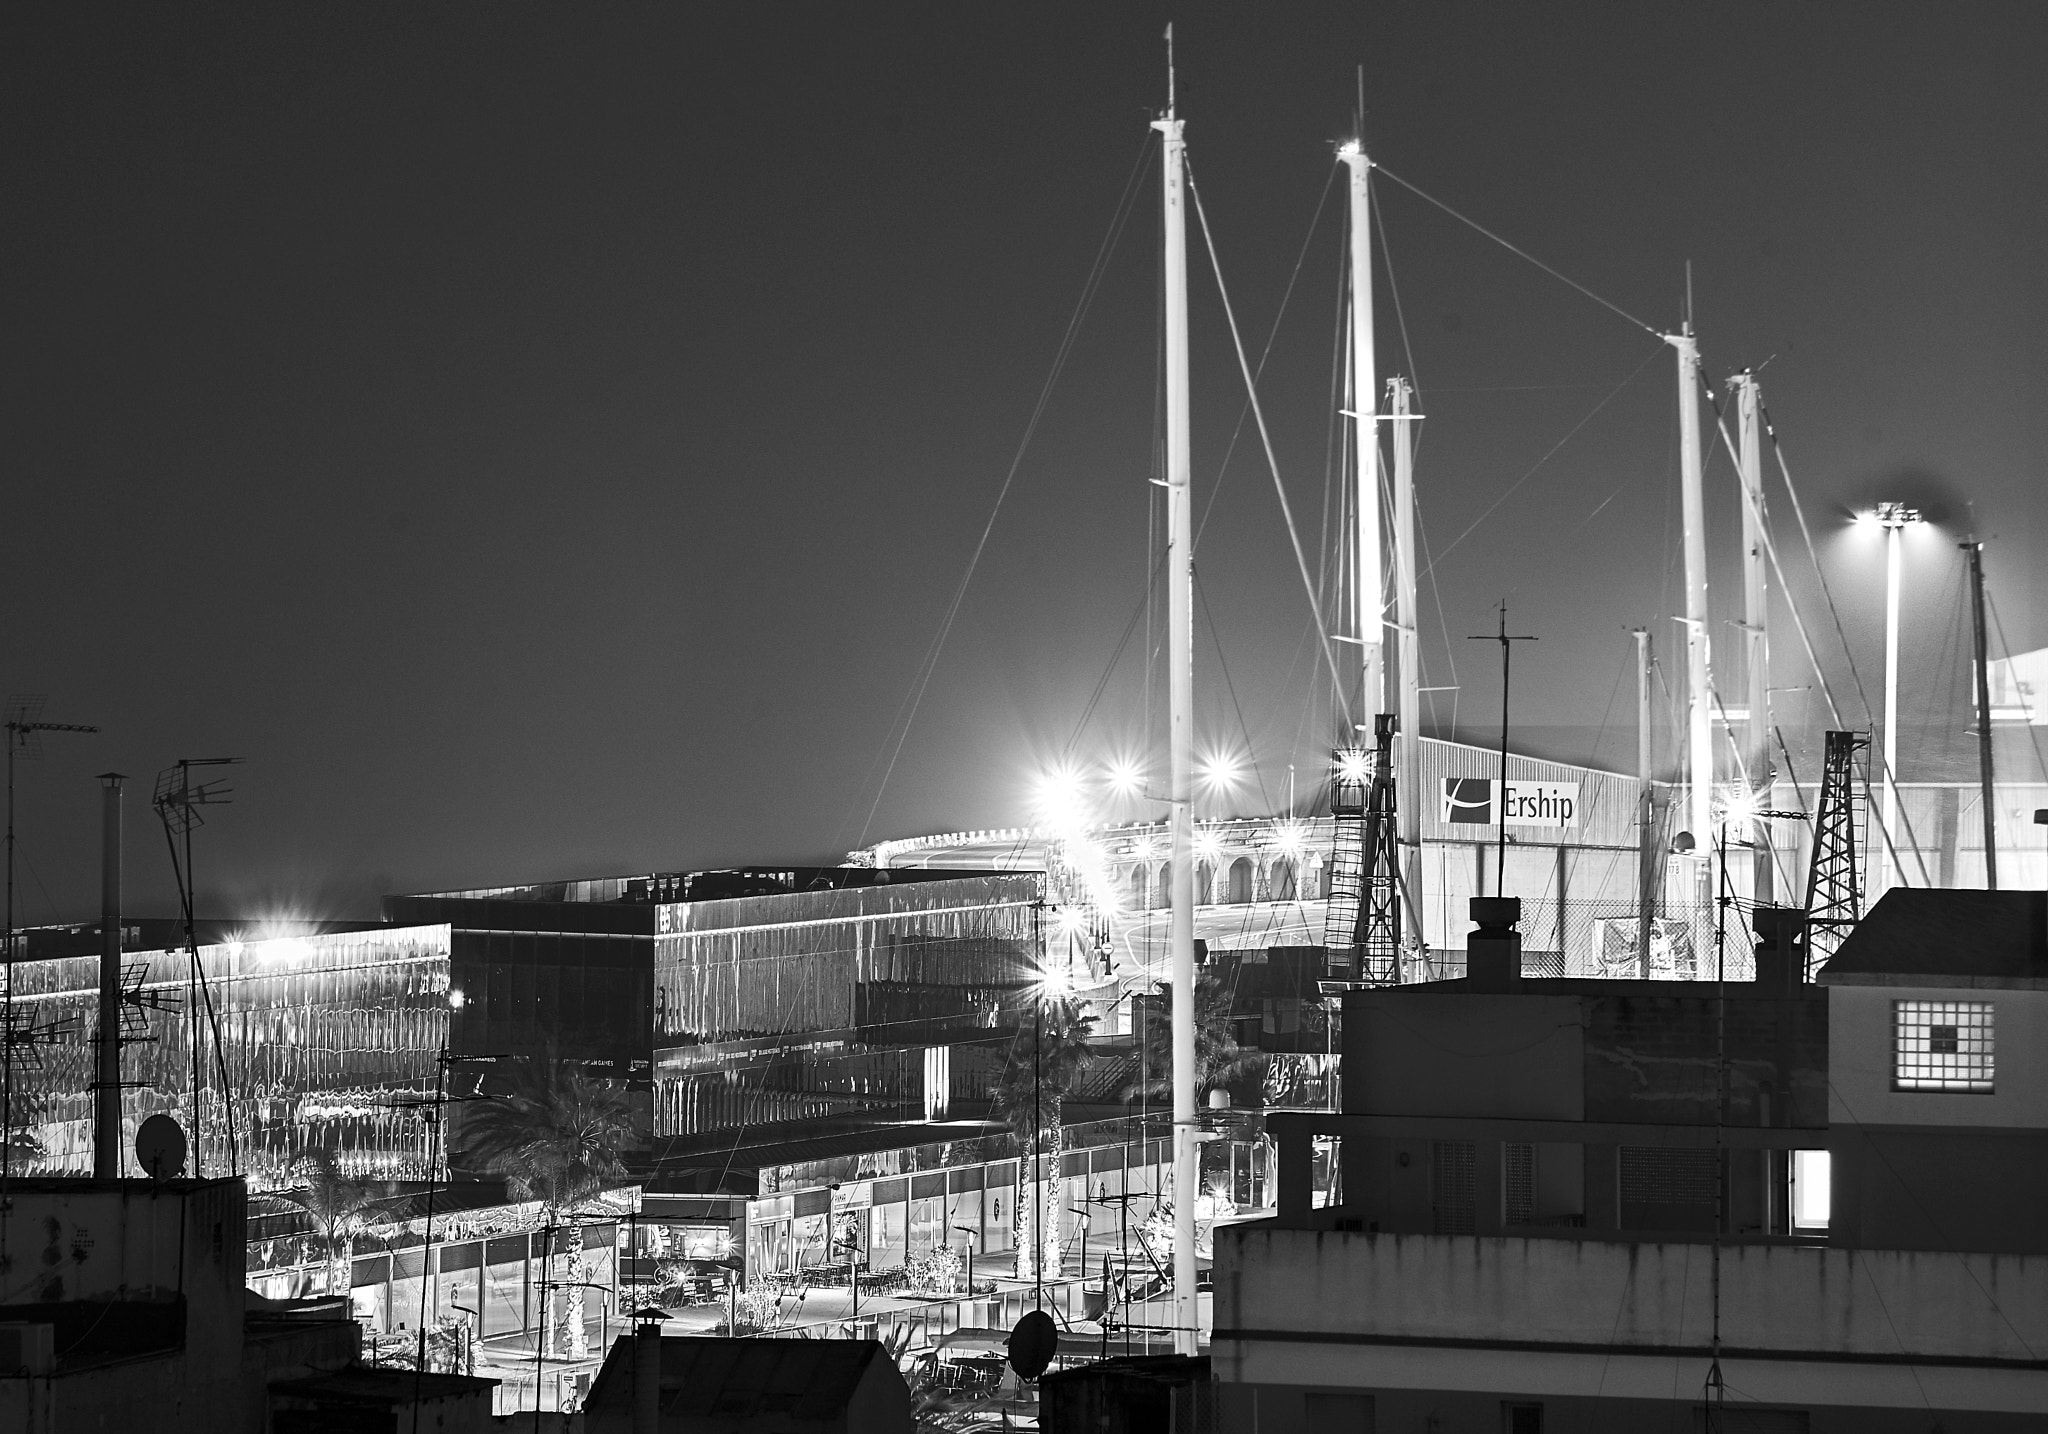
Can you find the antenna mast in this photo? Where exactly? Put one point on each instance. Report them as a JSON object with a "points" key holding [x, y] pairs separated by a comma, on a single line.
{"points": [[1180, 691]]}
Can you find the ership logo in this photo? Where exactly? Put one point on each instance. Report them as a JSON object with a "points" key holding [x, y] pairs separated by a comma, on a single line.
{"points": [[1472, 801], [1468, 801]]}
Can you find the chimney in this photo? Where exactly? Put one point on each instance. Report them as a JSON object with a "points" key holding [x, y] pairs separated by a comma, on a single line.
{"points": [[1493, 952], [106, 1131], [1780, 949], [647, 1371]]}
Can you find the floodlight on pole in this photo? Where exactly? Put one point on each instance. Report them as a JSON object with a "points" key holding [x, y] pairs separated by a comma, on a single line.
{"points": [[1893, 518]]}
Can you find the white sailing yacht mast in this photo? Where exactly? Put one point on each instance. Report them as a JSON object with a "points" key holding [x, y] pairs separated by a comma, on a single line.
{"points": [[1699, 767], [1180, 696], [1367, 596]]}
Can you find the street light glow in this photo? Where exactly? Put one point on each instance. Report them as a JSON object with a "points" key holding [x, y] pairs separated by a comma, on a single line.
{"points": [[1896, 515]]}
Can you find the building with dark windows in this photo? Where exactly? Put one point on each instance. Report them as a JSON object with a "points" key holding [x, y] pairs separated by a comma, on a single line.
{"points": [[1573, 1204]]}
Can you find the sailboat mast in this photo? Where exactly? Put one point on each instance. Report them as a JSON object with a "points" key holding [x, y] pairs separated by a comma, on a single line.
{"points": [[1408, 734], [1699, 757], [1975, 550], [1756, 754], [1180, 696], [1366, 575]]}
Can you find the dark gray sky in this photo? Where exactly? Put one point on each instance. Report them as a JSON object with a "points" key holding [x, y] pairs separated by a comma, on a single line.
{"points": [[543, 440]]}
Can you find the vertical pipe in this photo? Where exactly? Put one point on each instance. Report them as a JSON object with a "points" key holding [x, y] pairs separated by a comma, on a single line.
{"points": [[1976, 551], [1367, 597], [1699, 766], [1181, 746], [1894, 872], [106, 1133], [1646, 806], [1756, 756], [1408, 732]]}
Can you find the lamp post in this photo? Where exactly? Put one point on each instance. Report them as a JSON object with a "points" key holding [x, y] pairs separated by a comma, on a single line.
{"points": [[1893, 517]]}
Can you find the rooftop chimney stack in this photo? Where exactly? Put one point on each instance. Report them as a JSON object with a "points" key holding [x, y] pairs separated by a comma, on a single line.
{"points": [[1493, 952], [106, 1143]]}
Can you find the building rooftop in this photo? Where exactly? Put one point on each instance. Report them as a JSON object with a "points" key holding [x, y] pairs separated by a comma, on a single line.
{"points": [[799, 1379], [1943, 937]]}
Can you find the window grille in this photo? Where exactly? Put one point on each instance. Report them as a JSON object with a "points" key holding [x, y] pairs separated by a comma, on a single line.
{"points": [[1451, 1206], [1941, 1045], [1519, 1158]]}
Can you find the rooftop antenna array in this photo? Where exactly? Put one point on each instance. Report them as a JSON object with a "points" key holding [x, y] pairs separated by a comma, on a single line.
{"points": [[177, 803], [20, 1038]]}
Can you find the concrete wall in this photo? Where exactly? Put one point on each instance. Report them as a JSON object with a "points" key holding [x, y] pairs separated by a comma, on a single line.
{"points": [[1860, 1060], [1421, 1052], [1587, 1318]]}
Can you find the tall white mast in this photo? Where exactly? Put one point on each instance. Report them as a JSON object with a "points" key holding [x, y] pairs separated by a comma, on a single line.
{"points": [[1756, 754], [1180, 698], [1699, 762], [1366, 575], [1408, 737]]}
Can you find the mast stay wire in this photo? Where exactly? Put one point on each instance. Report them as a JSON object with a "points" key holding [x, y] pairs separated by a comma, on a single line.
{"points": [[1891, 777], [1609, 305], [1266, 440], [1550, 453], [906, 711], [1771, 551]]}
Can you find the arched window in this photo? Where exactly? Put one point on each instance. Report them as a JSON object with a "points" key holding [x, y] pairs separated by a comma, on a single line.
{"points": [[1138, 888], [1162, 894], [1280, 880], [1240, 881], [1205, 884]]}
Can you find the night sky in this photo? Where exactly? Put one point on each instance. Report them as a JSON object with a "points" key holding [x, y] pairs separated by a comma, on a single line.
{"points": [[544, 441]]}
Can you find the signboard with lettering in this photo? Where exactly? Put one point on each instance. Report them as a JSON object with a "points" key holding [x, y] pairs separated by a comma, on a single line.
{"points": [[1475, 801]]}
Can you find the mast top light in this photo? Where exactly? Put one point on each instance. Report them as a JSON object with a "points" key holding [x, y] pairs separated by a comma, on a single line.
{"points": [[1896, 515]]}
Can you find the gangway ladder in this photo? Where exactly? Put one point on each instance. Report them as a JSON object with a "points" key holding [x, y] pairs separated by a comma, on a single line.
{"points": [[1362, 926], [1834, 885]]}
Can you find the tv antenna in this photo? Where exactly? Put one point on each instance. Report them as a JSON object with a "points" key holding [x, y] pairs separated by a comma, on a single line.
{"points": [[24, 725], [178, 802], [1507, 649]]}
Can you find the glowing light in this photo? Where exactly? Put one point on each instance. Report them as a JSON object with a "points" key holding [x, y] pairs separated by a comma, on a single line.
{"points": [[1347, 149], [1352, 765], [1127, 778], [1061, 800], [1290, 838], [1207, 843], [456, 1000], [1896, 515]]}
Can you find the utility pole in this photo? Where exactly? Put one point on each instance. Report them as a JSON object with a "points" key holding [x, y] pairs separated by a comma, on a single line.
{"points": [[1500, 874], [1975, 550], [1408, 729], [106, 1135], [1180, 691], [1756, 757]]}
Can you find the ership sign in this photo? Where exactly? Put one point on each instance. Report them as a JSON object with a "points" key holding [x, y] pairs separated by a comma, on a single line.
{"points": [[1472, 801]]}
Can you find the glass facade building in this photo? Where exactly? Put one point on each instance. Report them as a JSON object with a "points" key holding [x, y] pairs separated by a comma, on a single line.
{"points": [[890, 1001], [308, 1042]]}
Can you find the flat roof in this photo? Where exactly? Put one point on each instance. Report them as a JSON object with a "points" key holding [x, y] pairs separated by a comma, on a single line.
{"points": [[1945, 936]]}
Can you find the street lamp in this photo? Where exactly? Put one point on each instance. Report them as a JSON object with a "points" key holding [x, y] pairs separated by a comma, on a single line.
{"points": [[1893, 517]]}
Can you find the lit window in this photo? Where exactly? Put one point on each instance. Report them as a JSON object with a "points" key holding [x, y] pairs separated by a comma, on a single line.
{"points": [[1810, 1189], [1941, 1045]]}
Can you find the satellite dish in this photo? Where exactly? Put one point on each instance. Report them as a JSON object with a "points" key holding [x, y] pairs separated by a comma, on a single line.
{"points": [[160, 1147], [1032, 1344]]}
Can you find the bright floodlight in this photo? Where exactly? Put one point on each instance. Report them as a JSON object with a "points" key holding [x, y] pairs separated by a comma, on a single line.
{"points": [[456, 999], [1288, 837], [1353, 765], [1219, 771], [1207, 843], [1059, 799], [1126, 778], [1347, 149], [1896, 515]]}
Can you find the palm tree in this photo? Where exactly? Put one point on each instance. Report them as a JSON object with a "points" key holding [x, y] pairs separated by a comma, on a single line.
{"points": [[1047, 1057], [1219, 1059], [341, 1209], [555, 1137]]}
